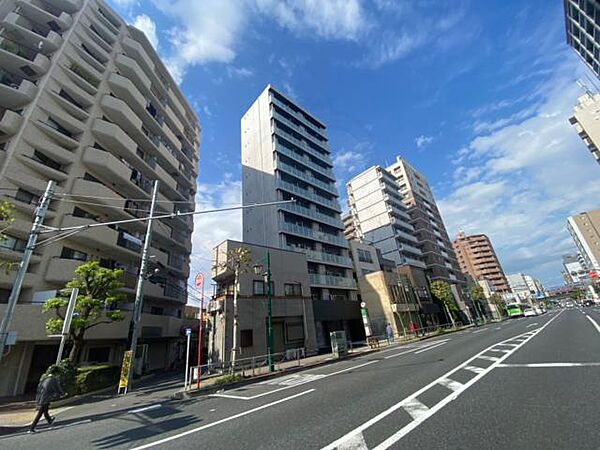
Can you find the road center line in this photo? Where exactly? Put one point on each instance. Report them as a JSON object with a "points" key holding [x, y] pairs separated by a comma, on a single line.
{"points": [[431, 411], [594, 323], [218, 422], [145, 408]]}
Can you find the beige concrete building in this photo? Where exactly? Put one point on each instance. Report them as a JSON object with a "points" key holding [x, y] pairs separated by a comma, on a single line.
{"points": [[585, 231], [476, 257], [85, 101], [585, 122], [292, 308]]}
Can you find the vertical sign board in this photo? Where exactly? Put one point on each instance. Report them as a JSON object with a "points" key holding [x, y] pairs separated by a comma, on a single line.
{"points": [[123, 382]]}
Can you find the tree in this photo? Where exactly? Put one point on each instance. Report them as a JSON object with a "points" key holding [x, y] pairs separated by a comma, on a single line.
{"points": [[7, 217], [441, 291], [237, 260], [496, 300], [478, 297], [98, 293]]}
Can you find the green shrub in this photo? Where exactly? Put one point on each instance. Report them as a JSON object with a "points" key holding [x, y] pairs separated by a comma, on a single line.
{"points": [[226, 379], [92, 378], [67, 375]]}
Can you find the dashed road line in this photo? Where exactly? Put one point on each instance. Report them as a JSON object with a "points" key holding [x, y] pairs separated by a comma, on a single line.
{"points": [[431, 347], [555, 364], [145, 408]]}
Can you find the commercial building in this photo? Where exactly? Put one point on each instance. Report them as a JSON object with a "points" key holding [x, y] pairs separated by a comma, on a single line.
{"points": [[285, 155], [429, 229], [585, 231], [292, 311], [476, 257], [86, 101], [582, 22], [575, 272], [380, 217], [585, 122], [525, 287]]}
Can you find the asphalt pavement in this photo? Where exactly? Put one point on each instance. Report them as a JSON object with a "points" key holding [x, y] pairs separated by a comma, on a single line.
{"points": [[525, 383]]}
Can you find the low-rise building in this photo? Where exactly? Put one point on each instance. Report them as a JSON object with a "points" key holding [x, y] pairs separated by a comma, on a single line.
{"points": [[292, 309]]}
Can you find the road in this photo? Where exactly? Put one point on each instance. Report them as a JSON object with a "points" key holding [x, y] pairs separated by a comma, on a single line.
{"points": [[528, 383]]}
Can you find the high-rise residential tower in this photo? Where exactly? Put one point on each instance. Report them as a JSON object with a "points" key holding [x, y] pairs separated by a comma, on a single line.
{"points": [[380, 217], [285, 155], [476, 257], [86, 101], [585, 230], [585, 121], [582, 22]]}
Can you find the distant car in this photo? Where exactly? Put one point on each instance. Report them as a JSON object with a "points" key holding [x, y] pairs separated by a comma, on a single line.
{"points": [[529, 312], [569, 305], [588, 303]]}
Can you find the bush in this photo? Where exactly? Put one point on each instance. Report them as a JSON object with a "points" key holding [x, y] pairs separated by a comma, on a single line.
{"points": [[92, 378], [226, 379], [67, 375]]}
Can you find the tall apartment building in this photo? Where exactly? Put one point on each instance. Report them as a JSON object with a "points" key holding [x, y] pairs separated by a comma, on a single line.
{"points": [[86, 101], [585, 231], [285, 155], [585, 122], [582, 22], [380, 217], [476, 257]]}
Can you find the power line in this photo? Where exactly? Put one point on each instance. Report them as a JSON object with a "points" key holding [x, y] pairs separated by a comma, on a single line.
{"points": [[120, 199]]}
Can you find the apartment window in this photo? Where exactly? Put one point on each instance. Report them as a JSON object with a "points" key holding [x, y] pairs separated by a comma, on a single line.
{"points": [[157, 311], [294, 331], [78, 212], [41, 158], [364, 256], [292, 289], [70, 253], [246, 338], [258, 287], [58, 127], [13, 243], [64, 94], [25, 196], [4, 295]]}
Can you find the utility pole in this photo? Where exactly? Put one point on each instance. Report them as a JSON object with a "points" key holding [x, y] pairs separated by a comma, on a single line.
{"points": [[40, 213], [269, 316], [139, 291]]}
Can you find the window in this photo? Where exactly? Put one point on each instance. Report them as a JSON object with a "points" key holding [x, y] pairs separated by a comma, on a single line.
{"points": [[246, 338], [294, 331], [70, 253], [292, 289], [364, 256], [99, 354], [258, 287], [58, 127], [157, 311], [25, 196], [13, 243], [78, 212], [41, 158], [4, 295]]}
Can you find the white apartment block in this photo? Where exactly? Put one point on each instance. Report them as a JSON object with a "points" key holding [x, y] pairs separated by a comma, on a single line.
{"points": [[285, 155], [380, 218], [585, 120], [85, 101], [585, 231]]}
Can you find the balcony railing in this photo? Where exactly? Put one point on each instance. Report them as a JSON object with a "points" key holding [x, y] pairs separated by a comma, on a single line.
{"points": [[295, 189], [322, 256], [314, 234], [329, 187], [307, 212], [303, 159], [129, 242], [331, 280]]}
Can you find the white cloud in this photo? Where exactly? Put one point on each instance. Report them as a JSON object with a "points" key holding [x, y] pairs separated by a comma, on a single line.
{"points": [[213, 228], [519, 182], [350, 161], [423, 140], [328, 19], [126, 3], [147, 25], [239, 72], [289, 90]]}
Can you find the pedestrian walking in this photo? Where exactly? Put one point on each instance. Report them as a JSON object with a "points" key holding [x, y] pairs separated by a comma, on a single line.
{"points": [[389, 333], [48, 390]]}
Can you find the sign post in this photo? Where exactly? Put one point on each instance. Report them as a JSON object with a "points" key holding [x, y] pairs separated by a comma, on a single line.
{"points": [[67, 323], [124, 380], [199, 282], [188, 333]]}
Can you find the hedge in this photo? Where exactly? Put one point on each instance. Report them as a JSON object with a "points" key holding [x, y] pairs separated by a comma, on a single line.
{"points": [[85, 379]]}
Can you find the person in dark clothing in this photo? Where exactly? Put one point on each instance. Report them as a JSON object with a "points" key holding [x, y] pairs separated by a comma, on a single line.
{"points": [[48, 390]]}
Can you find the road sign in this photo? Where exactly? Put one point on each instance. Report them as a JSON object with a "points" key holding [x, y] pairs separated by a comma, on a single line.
{"points": [[123, 381], [199, 280], [188, 331]]}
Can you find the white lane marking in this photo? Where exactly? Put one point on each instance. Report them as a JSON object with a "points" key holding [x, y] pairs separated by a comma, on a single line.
{"points": [[531, 325], [428, 345], [474, 369], [356, 443], [489, 358], [399, 354], [498, 328], [218, 422], [555, 364], [412, 425], [307, 380], [594, 323], [500, 350], [479, 331], [145, 408], [415, 408], [450, 384], [431, 347]]}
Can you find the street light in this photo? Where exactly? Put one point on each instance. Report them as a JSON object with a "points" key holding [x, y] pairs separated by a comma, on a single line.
{"points": [[258, 270]]}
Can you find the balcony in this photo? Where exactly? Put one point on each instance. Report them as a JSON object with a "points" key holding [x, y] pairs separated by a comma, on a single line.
{"points": [[313, 234], [97, 237], [32, 36], [18, 59], [305, 193], [15, 94], [303, 159], [415, 263], [10, 122], [306, 136], [306, 176], [322, 257], [69, 6], [61, 270], [331, 281], [312, 214], [411, 249], [105, 197], [303, 145], [297, 115], [406, 236], [135, 50], [62, 22]]}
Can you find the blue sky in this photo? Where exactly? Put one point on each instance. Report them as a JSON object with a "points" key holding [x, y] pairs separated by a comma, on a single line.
{"points": [[475, 94]]}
